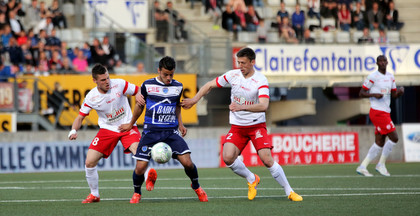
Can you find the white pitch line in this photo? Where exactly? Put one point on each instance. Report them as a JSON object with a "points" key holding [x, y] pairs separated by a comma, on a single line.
{"points": [[211, 198], [207, 179], [210, 188]]}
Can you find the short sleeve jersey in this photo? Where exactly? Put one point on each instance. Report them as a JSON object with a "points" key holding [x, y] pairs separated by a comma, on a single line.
{"points": [[377, 82], [161, 103], [112, 107], [245, 91]]}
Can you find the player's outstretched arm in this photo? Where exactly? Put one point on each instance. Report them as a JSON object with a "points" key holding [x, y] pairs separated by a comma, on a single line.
{"points": [[187, 103], [398, 93], [138, 109], [76, 126], [181, 126]]}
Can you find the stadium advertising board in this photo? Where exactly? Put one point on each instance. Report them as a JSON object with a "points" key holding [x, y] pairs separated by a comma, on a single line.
{"points": [[7, 122], [128, 14], [333, 59], [6, 96], [411, 136], [307, 148], [60, 156], [76, 87]]}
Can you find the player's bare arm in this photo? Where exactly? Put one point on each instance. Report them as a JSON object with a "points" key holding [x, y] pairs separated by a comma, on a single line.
{"points": [[140, 99], [181, 126], [398, 93], [76, 126], [187, 103], [365, 94], [138, 109], [261, 106]]}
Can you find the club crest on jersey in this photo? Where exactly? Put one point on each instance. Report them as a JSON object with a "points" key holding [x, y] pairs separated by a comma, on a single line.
{"points": [[165, 90], [144, 148]]}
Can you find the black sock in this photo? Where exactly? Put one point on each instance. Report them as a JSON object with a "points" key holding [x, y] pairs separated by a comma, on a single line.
{"points": [[193, 174], [137, 182]]}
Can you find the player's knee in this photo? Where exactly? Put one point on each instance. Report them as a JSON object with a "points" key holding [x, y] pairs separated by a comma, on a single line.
{"points": [[394, 139], [268, 162], [90, 164], [228, 160]]}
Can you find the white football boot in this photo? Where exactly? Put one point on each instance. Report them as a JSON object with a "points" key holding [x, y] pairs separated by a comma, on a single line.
{"points": [[363, 172], [381, 169]]}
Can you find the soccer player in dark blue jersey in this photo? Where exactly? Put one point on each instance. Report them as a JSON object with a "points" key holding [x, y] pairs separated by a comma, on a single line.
{"points": [[162, 123]]}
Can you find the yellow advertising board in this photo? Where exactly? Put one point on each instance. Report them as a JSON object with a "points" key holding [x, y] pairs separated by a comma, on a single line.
{"points": [[7, 122], [75, 88]]}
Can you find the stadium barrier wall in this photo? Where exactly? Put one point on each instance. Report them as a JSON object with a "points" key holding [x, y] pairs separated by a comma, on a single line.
{"points": [[53, 152]]}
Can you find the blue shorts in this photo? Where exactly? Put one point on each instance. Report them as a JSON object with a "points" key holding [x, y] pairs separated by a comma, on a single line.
{"points": [[170, 137]]}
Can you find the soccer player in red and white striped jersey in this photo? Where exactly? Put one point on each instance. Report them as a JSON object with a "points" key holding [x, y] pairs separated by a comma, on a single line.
{"points": [[249, 102]]}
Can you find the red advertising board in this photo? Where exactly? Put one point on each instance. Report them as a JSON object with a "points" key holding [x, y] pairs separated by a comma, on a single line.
{"points": [[307, 148]]}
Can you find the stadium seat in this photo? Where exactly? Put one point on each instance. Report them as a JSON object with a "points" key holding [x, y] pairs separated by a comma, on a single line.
{"points": [[303, 3], [311, 22], [374, 35], [288, 3], [268, 13], [248, 37], [77, 34], [273, 37], [327, 22], [275, 3], [327, 37], [393, 36], [68, 9], [342, 37], [66, 35], [356, 35]]}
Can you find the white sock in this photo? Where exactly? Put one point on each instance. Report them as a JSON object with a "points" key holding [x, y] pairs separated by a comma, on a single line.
{"points": [[372, 153], [240, 169], [92, 178], [278, 174], [387, 149]]}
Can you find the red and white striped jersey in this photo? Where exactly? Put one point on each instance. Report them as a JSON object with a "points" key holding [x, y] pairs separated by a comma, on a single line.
{"points": [[113, 108], [377, 82], [245, 91]]}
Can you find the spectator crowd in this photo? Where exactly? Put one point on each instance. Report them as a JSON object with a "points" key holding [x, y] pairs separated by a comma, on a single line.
{"points": [[30, 43], [346, 15]]}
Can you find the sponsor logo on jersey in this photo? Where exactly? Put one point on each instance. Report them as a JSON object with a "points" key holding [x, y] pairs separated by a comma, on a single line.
{"points": [[242, 101], [116, 115], [153, 89]]}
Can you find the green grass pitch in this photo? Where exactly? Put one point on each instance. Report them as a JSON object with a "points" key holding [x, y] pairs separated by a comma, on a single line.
{"points": [[326, 190]]}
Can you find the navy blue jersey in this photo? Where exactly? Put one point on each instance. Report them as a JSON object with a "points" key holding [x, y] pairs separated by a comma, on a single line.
{"points": [[161, 103]]}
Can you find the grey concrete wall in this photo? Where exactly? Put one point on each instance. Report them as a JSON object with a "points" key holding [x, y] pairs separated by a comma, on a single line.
{"points": [[366, 136]]}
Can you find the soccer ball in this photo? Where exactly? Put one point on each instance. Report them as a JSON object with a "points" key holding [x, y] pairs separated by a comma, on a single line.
{"points": [[161, 152]]}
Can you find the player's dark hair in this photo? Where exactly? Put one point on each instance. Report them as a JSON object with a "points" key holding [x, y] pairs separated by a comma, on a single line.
{"points": [[379, 57], [98, 69], [246, 52], [167, 62]]}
